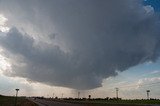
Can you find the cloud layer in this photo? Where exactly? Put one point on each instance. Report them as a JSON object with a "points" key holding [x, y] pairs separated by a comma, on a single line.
{"points": [[77, 43]]}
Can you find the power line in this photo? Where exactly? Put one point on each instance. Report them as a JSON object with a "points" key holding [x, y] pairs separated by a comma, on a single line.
{"points": [[135, 85], [151, 83], [141, 85]]}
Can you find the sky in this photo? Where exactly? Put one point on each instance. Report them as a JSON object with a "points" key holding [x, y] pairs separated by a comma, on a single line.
{"points": [[54, 47]]}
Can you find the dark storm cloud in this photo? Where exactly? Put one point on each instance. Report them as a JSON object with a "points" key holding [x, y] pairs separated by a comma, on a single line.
{"points": [[100, 38]]}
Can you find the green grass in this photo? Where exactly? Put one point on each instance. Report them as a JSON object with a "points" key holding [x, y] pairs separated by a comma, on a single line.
{"points": [[105, 102], [10, 101]]}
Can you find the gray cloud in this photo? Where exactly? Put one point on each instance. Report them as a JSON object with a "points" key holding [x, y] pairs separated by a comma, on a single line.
{"points": [[79, 42]]}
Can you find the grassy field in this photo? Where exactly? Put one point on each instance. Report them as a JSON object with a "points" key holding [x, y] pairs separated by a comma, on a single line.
{"points": [[114, 102], [10, 101]]}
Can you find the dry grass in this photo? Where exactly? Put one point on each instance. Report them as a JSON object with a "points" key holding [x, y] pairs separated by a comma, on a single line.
{"points": [[26, 102], [10, 101]]}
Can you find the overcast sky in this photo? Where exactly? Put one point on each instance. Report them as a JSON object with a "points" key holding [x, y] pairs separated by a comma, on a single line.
{"points": [[91, 46]]}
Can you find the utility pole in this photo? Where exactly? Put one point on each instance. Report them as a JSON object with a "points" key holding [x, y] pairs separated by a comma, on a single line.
{"points": [[117, 89], [78, 95], [16, 96], [62, 95], [53, 95], [148, 94]]}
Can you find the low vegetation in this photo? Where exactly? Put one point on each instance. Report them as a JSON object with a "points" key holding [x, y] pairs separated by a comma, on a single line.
{"points": [[103, 102], [10, 101]]}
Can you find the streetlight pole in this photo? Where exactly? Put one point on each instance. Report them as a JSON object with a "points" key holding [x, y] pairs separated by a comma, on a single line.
{"points": [[78, 95], [148, 94], [117, 92], [16, 96]]}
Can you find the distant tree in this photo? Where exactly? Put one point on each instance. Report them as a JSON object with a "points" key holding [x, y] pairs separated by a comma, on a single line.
{"points": [[89, 96], [107, 98], [83, 98]]}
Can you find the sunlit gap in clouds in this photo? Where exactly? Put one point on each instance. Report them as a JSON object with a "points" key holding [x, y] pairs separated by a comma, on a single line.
{"points": [[4, 64], [3, 20]]}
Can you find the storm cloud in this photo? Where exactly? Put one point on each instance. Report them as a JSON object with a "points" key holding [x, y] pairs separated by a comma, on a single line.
{"points": [[77, 43]]}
